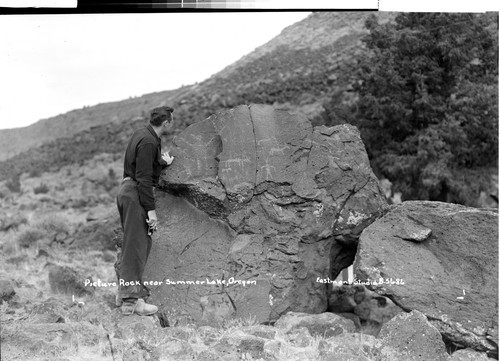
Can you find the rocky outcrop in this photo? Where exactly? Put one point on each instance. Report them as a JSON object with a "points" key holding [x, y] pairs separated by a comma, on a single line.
{"points": [[258, 205], [442, 260]]}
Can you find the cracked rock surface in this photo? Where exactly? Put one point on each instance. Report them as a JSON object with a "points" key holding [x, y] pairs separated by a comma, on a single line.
{"points": [[446, 256], [262, 204]]}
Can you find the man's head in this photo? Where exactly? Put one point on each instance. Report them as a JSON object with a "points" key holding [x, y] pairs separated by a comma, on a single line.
{"points": [[162, 118]]}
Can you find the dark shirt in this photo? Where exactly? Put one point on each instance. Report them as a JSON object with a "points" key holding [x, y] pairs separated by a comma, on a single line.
{"points": [[143, 164]]}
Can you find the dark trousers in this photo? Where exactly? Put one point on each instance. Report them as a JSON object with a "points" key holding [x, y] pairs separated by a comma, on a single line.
{"points": [[136, 243]]}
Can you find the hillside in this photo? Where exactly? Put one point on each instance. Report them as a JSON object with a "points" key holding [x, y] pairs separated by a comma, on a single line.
{"points": [[17, 140], [298, 70]]}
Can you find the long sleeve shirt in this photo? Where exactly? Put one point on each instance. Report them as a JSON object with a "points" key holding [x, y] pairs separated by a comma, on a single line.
{"points": [[143, 163]]}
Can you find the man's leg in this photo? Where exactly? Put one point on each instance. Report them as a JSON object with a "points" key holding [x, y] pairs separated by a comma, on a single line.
{"points": [[136, 244]]}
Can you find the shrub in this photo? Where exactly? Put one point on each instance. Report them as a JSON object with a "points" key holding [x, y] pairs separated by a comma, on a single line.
{"points": [[30, 236], [12, 222], [111, 174], [53, 224], [79, 203], [34, 173], [46, 227], [42, 188], [14, 184]]}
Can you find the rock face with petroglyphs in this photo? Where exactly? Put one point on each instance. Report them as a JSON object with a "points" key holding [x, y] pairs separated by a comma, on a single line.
{"points": [[440, 259], [256, 206]]}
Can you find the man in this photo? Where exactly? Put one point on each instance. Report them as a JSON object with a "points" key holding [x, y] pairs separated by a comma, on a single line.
{"points": [[136, 205]]}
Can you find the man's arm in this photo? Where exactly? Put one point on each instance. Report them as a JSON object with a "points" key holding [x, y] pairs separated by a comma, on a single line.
{"points": [[144, 175]]}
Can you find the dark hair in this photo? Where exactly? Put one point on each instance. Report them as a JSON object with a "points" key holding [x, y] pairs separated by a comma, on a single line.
{"points": [[160, 114]]}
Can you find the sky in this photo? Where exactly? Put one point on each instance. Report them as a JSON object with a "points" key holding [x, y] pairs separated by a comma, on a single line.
{"points": [[51, 64]]}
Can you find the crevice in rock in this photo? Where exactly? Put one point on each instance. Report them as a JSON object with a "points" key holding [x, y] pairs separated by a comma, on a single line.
{"points": [[213, 207], [363, 186], [255, 151], [307, 163], [220, 181], [392, 298], [217, 159], [231, 300], [341, 208], [190, 242]]}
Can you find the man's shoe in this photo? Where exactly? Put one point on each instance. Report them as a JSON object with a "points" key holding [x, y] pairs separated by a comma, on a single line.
{"points": [[140, 308]]}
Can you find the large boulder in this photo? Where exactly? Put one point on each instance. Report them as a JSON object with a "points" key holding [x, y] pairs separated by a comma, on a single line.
{"points": [[255, 208], [442, 260]]}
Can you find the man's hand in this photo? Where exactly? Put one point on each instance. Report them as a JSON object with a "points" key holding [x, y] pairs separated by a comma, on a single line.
{"points": [[152, 222], [167, 158]]}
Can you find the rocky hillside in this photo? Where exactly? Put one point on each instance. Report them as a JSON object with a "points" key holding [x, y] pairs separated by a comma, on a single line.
{"points": [[297, 70]]}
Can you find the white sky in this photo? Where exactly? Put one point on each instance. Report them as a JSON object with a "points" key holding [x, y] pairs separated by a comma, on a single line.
{"points": [[51, 64]]}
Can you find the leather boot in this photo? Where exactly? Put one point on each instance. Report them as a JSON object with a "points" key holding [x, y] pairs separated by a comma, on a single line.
{"points": [[139, 307]]}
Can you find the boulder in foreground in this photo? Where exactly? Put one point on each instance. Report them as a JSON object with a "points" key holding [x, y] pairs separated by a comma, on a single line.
{"points": [[451, 276]]}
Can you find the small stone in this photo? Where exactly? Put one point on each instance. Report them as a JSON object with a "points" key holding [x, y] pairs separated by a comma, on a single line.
{"points": [[60, 237], [43, 252]]}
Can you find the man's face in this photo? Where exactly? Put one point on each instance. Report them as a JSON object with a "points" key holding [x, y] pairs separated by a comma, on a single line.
{"points": [[167, 125]]}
